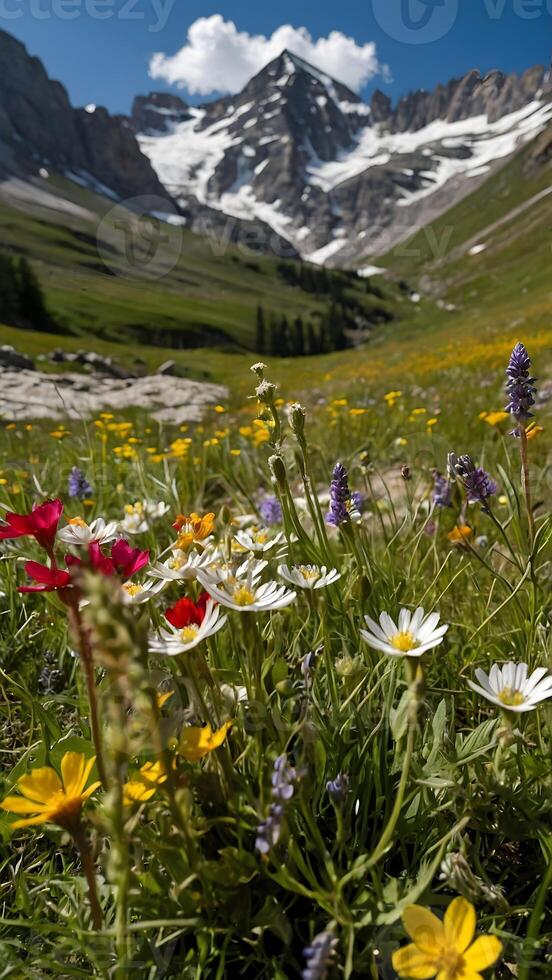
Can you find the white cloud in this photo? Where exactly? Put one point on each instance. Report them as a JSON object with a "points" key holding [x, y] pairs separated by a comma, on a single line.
{"points": [[218, 58]]}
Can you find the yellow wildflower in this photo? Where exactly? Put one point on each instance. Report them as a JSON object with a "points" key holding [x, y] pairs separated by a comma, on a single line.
{"points": [[445, 948], [50, 799], [533, 430], [152, 775], [198, 742], [461, 534], [192, 529], [494, 418]]}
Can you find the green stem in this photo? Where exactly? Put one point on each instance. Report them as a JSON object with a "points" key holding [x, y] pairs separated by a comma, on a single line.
{"points": [[533, 928], [79, 836], [387, 835], [87, 663], [526, 482]]}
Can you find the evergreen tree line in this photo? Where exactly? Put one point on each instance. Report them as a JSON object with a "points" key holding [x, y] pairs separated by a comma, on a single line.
{"points": [[21, 297], [280, 337], [311, 279]]}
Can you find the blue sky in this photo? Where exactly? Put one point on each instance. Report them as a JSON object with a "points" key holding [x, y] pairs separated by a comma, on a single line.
{"points": [[105, 61]]}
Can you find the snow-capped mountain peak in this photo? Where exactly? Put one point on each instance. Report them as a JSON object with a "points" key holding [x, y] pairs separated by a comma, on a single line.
{"points": [[337, 178]]}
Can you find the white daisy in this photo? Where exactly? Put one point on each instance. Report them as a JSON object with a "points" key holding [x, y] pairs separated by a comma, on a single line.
{"points": [[173, 641], [308, 576], [232, 571], [182, 565], [135, 594], [258, 539], [139, 516], [245, 594], [509, 686], [80, 534], [414, 634]]}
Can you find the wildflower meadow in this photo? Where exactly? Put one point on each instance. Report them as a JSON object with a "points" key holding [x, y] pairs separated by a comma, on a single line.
{"points": [[277, 688]]}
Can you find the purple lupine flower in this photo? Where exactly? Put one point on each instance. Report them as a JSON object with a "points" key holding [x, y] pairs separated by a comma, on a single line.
{"points": [[338, 788], [339, 496], [520, 386], [357, 502], [477, 483], [271, 511], [282, 780], [441, 490], [269, 830], [319, 956], [78, 484]]}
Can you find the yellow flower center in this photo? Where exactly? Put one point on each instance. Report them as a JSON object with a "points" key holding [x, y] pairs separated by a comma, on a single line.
{"points": [[176, 564], [510, 697], [131, 589], [244, 596], [184, 541], [189, 633], [62, 809], [77, 522], [308, 572], [451, 963], [404, 642]]}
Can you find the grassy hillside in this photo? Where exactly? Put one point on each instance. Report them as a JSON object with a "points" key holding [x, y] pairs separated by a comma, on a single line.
{"points": [[473, 306], [493, 248], [210, 296]]}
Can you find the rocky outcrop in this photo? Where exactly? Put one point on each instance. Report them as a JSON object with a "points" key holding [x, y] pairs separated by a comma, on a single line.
{"points": [[494, 95], [39, 128], [32, 395], [157, 112]]}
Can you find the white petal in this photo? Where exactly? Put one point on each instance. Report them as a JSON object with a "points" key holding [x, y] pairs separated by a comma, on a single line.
{"points": [[376, 643], [535, 679], [387, 625], [417, 619], [376, 629]]}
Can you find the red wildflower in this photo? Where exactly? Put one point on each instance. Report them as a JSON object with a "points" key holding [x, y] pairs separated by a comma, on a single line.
{"points": [[187, 613], [124, 560], [41, 524], [49, 579]]}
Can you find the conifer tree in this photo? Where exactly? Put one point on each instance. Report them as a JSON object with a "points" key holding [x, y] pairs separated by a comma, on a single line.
{"points": [[260, 339], [299, 338]]}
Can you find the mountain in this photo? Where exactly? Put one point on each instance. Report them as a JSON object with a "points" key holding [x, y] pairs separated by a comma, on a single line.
{"points": [[335, 177], [41, 133], [39, 129]]}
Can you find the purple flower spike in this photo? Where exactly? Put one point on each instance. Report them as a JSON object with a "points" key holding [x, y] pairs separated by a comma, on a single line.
{"points": [[319, 956], [520, 386], [78, 485], [441, 490], [343, 504], [477, 483], [271, 511], [283, 781]]}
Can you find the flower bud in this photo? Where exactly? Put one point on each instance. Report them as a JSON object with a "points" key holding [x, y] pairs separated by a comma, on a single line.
{"points": [[297, 415], [265, 392], [278, 470], [259, 368]]}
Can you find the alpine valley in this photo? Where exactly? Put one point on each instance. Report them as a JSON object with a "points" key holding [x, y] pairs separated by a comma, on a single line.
{"points": [[296, 163]]}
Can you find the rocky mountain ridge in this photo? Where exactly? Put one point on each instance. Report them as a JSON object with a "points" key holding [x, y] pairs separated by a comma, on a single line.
{"points": [[39, 129], [337, 177], [294, 164]]}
